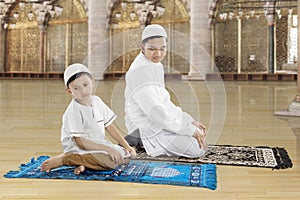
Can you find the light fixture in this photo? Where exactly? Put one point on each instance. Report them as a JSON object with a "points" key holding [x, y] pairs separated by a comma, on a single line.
{"points": [[124, 5], [22, 5], [160, 10], [143, 10], [42, 10], [118, 15], [30, 15], [278, 11], [132, 15], [290, 12], [246, 9], [16, 15]]}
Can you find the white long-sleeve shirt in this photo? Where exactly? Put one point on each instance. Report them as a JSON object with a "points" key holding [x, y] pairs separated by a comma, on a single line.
{"points": [[148, 106]]}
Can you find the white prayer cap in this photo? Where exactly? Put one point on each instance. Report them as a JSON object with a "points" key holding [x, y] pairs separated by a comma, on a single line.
{"points": [[154, 30], [74, 69]]}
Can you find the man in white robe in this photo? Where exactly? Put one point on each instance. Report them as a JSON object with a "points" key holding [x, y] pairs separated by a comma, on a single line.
{"points": [[151, 118]]}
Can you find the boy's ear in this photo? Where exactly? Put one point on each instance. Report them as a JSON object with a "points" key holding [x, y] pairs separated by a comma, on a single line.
{"points": [[68, 90]]}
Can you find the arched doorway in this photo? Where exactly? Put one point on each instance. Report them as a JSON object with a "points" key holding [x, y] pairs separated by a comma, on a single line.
{"points": [[254, 36], [63, 40], [175, 18]]}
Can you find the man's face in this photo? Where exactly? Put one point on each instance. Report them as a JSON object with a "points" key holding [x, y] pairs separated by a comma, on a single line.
{"points": [[155, 49]]}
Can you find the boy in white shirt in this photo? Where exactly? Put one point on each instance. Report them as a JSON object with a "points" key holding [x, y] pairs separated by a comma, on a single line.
{"points": [[151, 117], [83, 129]]}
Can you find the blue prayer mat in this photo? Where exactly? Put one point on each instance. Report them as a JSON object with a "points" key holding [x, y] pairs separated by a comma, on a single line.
{"points": [[195, 175]]}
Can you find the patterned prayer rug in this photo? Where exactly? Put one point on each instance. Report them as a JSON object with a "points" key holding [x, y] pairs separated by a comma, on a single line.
{"points": [[180, 174], [276, 158]]}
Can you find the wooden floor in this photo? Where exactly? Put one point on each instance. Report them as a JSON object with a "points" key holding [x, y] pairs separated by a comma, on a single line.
{"points": [[30, 120]]}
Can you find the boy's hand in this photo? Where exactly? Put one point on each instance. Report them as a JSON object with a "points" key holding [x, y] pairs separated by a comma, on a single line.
{"points": [[130, 150], [115, 156]]}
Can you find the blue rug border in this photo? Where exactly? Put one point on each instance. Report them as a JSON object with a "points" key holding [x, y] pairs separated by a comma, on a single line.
{"points": [[208, 175]]}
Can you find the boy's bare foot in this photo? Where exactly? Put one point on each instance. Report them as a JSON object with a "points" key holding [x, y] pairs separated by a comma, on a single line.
{"points": [[78, 170], [52, 163]]}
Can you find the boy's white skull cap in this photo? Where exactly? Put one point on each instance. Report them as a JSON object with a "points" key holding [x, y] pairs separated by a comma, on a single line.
{"points": [[154, 30], [74, 69]]}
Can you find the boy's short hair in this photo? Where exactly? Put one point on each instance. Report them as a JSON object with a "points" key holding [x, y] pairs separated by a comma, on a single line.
{"points": [[75, 76], [74, 71]]}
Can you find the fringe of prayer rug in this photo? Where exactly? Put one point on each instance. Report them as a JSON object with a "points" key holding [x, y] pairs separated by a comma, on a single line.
{"points": [[179, 174]]}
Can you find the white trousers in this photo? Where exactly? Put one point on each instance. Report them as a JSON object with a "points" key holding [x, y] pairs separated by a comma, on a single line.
{"points": [[170, 144]]}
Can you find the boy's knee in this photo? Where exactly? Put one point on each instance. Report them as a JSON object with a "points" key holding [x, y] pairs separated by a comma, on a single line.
{"points": [[105, 162], [112, 164]]}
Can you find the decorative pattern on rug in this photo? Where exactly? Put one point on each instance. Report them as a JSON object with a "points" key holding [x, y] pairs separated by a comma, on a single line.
{"points": [[276, 158], [195, 175]]}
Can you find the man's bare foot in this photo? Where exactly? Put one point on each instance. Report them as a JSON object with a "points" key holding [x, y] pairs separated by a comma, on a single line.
{"points": [[52, 163], [78, 170]]}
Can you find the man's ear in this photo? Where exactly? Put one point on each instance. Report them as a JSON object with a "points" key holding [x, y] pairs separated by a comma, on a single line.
{"points": [[142, 47]]}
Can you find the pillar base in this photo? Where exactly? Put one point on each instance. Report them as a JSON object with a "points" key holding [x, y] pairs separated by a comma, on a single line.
{"points": [[193, 77], [293, 110]]}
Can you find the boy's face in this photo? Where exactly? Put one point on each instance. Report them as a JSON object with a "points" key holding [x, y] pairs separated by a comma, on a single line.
{"points": [[155, 49], [82, 89]]}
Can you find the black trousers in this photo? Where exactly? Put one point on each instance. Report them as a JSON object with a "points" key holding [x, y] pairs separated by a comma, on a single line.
{"points": [[134, 139]]}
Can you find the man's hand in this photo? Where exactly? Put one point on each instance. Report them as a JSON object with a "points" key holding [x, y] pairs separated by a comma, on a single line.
{"points": [[201, 138], [201, 126]]}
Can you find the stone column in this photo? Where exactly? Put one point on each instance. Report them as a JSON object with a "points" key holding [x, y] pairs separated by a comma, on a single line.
{"points": [[98, 57], [200, 40], [294, 108], [42, 51], [271, 22], [298, 63], [2, 49]]}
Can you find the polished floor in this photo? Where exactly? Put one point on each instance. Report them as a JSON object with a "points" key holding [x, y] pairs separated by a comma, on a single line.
{"points": [[236, 112]]}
